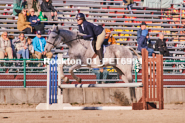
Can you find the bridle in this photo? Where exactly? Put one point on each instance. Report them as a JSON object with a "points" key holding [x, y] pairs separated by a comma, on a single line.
{"points": [[77, 38], [55, 38]]}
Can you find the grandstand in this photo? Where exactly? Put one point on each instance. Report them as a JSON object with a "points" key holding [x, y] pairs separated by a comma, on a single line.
{"points": [[110, 14]]}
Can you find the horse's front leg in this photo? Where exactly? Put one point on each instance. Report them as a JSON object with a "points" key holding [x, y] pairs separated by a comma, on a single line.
{"points": [[66, 79], [76, 66]]}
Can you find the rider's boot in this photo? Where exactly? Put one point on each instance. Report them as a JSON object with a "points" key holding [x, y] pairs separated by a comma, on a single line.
{"points": [[100, 54]]}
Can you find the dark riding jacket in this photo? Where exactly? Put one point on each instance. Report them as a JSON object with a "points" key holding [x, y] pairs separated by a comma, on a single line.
{"points": [[91, 30]]}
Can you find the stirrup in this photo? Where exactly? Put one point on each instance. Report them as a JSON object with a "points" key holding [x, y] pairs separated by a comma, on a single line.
{"points": [[101, 64]]}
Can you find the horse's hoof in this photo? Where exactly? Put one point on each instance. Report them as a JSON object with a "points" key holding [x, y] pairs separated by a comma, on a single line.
{"points": [[66, 80], [79, 80]]}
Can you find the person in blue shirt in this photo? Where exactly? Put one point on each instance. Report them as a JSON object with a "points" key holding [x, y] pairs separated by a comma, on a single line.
{"points": [[143, 38], [39, 44], [92, 31], [35, 22]]}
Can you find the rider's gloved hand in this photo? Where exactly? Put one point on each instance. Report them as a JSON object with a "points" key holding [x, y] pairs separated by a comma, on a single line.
{"points": [[80, 37]]}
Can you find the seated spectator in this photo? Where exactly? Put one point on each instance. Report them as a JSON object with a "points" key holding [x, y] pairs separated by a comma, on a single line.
{"points": [[109, 39], [129, 4], [160, 45], [31, 49], [21, 46], [98, 72], [23, 24], [35, 22], [142, 39], [39, 43], [35, 4], [24, 4], [11, 37], [17, 7], [48, 10], [5, 46]]}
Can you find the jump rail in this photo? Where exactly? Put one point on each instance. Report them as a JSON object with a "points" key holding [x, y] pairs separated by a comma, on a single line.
{"points": [[152, 87]]}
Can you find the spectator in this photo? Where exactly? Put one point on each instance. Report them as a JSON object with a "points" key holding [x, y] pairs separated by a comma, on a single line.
{"points": [[48, 10], [24, 4], [23, 24], [11, 37], [35, 4], [142, 38], [39, 43], [17, 7], [21, 46], [98, 72], [109, 39], [5, 46], [160, 45], [31, 48], [35, 22], [129, 4]]}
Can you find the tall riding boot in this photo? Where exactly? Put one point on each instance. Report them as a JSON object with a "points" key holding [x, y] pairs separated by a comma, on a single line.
{"points": [[100, 54]]}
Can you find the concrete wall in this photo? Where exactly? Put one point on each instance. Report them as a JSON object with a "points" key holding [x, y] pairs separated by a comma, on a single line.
{"points": [[86, 95]]}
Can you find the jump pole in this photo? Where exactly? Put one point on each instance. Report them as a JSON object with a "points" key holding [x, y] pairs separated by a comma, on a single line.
{"points": [[142, 104]]}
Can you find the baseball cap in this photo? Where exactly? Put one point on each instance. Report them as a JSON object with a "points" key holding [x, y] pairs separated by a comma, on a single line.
{"points": [[39, 32], [143, 23]]}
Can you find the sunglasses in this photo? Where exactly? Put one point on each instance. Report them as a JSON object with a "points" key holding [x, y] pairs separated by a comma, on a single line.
{"points": [[5, 35]]}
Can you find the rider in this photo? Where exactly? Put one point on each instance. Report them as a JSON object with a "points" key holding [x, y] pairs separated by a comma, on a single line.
{"points": [[92, 31]]}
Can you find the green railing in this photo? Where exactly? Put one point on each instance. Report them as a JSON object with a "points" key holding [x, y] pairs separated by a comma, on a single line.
{"points": [[24, 65]]}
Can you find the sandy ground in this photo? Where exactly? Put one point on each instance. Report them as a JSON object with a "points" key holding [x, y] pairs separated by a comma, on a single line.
{"points": [[27, 114]]}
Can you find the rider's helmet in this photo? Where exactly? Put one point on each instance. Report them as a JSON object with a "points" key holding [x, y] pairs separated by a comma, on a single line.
{"points": [[80, 16]]}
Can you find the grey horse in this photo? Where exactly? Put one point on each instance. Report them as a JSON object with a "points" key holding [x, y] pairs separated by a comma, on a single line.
{"points": [[82, 49]]}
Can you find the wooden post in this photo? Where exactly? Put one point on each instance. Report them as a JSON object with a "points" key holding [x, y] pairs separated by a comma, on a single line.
{"points": [[144, 78], [161, 99]]}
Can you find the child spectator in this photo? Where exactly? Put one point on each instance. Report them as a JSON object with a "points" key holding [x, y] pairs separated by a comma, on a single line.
{"points": [[35, 22], [31, 48], [5, 46], [21, 46], [23, 24], [48, 10]]}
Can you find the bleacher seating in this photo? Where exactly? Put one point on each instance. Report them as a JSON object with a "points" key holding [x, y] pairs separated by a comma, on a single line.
{"points": [[112, 15]]}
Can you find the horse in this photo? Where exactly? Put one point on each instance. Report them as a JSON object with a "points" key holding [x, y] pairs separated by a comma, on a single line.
{"points": [[82, 49]]}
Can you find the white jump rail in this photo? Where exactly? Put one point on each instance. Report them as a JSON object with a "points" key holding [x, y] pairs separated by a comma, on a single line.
{"points": [[101, 85]]}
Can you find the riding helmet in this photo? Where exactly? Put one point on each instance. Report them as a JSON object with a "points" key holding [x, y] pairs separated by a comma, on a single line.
{"points": [[80, 16]]}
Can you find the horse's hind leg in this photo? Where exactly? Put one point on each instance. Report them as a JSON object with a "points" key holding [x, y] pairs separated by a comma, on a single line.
{"points": [[127, 79], [76, 66]]}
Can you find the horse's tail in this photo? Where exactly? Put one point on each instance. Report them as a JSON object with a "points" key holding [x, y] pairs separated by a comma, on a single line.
{"points": [[138, 56]]}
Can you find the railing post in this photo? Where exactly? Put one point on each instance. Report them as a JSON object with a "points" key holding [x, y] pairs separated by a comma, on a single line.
{"points": [[24, 73], [136, 71]]}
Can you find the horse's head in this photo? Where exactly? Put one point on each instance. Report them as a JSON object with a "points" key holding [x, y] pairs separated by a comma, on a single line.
{"points": [[54, 39]]}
